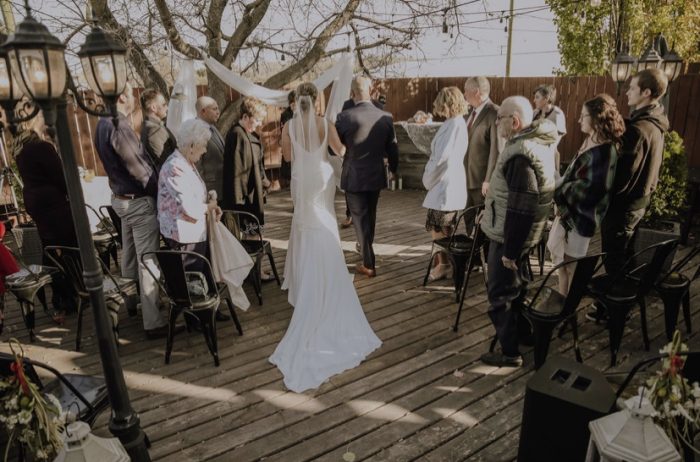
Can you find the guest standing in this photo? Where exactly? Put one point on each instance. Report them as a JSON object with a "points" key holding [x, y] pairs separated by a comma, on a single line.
{"points": [[582, 195], [517, 204], [368, 134], [211, 164], [544, 98], [157, 139], [244, 180], [637, 170], [483, 148], [133, 180], [46, 201], [286, 116], [444, 177]]}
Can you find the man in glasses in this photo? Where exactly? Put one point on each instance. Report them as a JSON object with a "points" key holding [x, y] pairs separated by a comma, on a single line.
{"points": [[517, 203]]}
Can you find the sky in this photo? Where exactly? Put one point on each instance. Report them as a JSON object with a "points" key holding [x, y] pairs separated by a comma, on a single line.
{"points": [[534, 44], [480, 49]]}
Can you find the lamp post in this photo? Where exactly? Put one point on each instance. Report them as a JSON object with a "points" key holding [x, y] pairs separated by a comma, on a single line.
{"points": [[36, 62]]}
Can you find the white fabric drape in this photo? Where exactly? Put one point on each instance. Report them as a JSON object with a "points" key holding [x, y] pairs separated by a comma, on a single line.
{"points": [[229, 260], [279, 97], [183, 97]]}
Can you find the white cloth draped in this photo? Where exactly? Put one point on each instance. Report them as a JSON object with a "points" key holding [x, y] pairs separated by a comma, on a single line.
{"points": [[183, 97], [229, 260], [338, 72]]}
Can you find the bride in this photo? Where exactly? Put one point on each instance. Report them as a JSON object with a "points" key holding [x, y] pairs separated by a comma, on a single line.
{"points": [[329, 332]]}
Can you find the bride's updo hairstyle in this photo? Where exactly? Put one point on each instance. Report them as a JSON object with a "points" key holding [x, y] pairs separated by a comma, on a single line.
{"points": [[306, 89]]}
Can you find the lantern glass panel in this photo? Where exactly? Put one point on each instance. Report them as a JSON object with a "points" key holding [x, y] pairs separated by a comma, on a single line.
{"points": [[43, 80], [5, 82], [57, 67]]}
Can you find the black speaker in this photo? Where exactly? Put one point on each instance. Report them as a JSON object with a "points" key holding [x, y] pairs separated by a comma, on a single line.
{"points": [[560, 399]]}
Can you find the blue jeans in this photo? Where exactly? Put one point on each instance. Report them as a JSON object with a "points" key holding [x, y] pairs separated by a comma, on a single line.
{"points": [[141, 234]]}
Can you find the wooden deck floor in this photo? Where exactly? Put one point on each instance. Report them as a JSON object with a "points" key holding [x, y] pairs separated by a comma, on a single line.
{"points": [[423, 395]]}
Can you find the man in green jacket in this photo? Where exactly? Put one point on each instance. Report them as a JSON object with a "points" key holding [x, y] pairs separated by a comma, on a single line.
{"points": [[517, 204]]}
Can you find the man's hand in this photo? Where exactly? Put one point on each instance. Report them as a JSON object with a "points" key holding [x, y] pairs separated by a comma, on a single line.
{"points": [[484, 188], [266, 183], [510, 264]]}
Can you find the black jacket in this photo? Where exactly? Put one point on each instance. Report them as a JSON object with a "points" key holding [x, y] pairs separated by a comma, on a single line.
{"points": [[368, 134], [638, 165]]}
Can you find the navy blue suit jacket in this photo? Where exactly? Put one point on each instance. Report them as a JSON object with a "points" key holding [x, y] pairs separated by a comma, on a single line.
{"points": [[368, 134]]}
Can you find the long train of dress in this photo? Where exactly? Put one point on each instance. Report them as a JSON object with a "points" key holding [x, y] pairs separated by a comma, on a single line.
{"points": [[329, 332]]}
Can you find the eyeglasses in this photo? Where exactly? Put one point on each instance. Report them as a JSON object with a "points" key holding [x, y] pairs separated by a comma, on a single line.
{"points": [[499, 117]]}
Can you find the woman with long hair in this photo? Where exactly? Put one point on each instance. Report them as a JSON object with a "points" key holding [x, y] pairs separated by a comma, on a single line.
{"points": [[582, 194]]}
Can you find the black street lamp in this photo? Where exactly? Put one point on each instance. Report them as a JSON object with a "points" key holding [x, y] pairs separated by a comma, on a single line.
{"points": [[36, 60]]}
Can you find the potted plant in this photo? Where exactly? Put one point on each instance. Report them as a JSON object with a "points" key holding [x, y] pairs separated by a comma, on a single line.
{"points": [[668, 202], [27, 416]]}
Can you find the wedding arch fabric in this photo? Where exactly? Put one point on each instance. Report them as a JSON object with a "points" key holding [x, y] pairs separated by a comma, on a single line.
{"points": [[340, 73], [183, 97]]}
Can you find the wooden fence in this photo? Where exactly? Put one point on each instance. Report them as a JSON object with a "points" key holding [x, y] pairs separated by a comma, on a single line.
{"points": [[406, 96]]}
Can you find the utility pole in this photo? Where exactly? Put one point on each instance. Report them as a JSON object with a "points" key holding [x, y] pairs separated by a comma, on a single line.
{"points": [[510, 38], [8, 18]]}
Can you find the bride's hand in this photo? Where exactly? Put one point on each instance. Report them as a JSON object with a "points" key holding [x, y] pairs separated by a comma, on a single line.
{"points": [[211, 205]]}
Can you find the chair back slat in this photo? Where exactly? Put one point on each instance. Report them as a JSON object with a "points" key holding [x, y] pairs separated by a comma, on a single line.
{"points": [[68, 260], [629, 267], [173, 271], [585, 269], [232, 220], [653, 270], [683, 262], [116, 221], [463, 216]]}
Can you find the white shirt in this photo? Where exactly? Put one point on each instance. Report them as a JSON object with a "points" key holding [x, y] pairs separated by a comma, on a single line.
{"points": [[444, 176]]}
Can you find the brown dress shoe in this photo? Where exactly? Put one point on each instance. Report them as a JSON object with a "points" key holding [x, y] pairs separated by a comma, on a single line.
{"points": [[347, 223], [362, 269]]}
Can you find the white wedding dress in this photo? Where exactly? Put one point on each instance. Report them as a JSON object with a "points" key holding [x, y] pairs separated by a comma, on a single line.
{"points": [[329, 332]]}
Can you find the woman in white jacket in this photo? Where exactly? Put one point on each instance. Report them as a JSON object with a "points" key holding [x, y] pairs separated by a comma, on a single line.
{"points": [[444, 175]]}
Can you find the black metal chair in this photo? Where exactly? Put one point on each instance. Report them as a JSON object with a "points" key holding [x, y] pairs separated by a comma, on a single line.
{"points": [[478, 239], [257, 248], [674, 290], [545, 308], [202, 306], [88, 392], [108, 211], [458, 248], [27, 285], [106, 240], [619, 293], [118, 291]]}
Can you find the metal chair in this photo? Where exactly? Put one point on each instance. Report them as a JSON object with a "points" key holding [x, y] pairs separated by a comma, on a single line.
{"points": [[545, 308], [106, 240], [27, 285], [620, 292], [88, 392], [478, 240], [174, 284], [458, 247], [257, 248], [674, 290], [118, 291]]}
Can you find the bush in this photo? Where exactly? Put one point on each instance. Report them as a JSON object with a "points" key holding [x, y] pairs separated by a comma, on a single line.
{"points": [[668, 202]]}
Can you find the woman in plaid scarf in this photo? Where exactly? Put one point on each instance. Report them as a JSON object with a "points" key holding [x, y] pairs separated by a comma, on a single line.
{"points": [[582, 193]]}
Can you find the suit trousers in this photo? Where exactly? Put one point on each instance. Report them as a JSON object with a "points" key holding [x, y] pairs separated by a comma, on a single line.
{"points": [[616, 232], [505, 289], [140, 234], [363, 209]]}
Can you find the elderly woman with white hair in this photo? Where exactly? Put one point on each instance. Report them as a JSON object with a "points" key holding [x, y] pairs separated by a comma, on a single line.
{"points": [[182, 195]]}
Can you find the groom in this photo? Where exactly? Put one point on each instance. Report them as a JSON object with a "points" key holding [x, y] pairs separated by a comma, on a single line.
{"points": [[368, 134]]}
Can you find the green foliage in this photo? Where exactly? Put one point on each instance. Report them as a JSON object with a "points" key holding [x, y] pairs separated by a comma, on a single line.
{"points": [[587, 33], [669, 200]]}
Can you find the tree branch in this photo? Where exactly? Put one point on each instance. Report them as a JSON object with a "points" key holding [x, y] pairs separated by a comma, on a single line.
{"points": [[316, 52], [173, 35], [252, 15]]}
